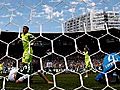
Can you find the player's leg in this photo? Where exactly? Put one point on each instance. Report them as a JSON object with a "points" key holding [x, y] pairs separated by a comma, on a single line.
{"points": [[26, 69], [40, 72], [21, 79], [87, 63], [36, 68], [26, 56], [26, 61]]}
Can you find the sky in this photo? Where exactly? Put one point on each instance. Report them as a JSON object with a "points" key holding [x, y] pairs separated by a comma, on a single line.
{"points": [[47, 15]]}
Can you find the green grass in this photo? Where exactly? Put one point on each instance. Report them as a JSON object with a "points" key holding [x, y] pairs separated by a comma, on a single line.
{"points": [[37, 84], [68, 81]]}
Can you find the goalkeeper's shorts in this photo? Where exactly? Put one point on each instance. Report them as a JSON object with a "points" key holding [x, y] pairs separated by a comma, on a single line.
{"points": [[27, 57]]}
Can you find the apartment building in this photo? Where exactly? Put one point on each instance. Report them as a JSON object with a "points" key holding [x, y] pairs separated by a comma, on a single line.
{"points": [[93, 21]]}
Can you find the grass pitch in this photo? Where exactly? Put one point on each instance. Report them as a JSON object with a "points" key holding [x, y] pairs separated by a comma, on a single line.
{"points": [[67, 81]]}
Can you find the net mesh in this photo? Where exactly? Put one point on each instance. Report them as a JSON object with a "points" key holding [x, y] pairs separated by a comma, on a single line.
{"points": [[63, 49]]}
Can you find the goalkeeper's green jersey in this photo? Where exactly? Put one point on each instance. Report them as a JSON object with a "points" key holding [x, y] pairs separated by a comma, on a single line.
{"points": [[27, 57], [87, 59]]}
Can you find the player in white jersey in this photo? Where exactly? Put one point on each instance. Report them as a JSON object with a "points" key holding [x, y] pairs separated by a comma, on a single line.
{"points": [[12, 74], [18, 78], [36, 68]]}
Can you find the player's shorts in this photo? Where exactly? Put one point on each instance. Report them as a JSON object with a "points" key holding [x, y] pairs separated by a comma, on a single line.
{"points": [[87, 62], [27, 57], [87, 66]]}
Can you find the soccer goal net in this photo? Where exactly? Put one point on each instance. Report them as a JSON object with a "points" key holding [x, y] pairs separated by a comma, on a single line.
{"points": [[71, 44]]}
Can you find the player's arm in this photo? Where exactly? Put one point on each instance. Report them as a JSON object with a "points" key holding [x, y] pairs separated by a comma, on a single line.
{"points": [[31, 37], [82, 52], [19, 41]]}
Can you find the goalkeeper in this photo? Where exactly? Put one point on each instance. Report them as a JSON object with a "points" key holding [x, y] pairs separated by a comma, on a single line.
{"points": [[87, 59], [26, 37]]}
